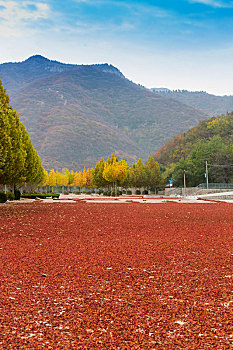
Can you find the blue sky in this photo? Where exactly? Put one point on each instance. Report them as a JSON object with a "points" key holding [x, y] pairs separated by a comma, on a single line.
{"points": [[184, 44]]}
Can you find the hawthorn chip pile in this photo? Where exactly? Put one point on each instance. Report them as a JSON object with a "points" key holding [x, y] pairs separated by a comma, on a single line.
{"points": [[116, 276]]}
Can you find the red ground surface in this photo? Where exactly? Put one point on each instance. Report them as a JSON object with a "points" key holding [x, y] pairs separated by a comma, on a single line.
{"points": [[116, 276]]}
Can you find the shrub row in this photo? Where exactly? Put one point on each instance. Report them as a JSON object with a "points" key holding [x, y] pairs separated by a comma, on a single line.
{"points": [[112, 193], [40, 195], [78, 192], [143, 192], [108, 193], [88, 192]]}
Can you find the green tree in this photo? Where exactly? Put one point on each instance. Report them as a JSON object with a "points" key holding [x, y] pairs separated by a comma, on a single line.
{"points": [[33, 169], [97, 175], [178, 173], [13, 172], [137, 175], [126, 183], [19, 162], [152, 174], [5, 140], [219, 157]]}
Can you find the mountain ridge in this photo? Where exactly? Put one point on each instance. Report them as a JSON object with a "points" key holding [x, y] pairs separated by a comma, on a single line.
{"points": [[210, 104], [100, 112]]}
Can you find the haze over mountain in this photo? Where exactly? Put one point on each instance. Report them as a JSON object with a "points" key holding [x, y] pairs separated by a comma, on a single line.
{"points": [[207, 103], [77, 113]]}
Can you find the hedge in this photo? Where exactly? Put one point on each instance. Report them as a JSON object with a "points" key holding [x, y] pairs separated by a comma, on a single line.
{"points": [[40, 195]]}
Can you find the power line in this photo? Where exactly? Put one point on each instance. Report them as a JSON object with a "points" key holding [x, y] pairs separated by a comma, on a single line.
{"points": [[221, 165]]}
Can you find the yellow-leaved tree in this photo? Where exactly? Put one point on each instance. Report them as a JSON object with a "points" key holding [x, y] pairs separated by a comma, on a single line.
{"points": [[59, 178], [89, 183], [80, 178], [115, 171], [52, 179]]}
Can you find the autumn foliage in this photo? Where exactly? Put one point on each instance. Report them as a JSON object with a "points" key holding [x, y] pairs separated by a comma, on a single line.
{"points": [[110, 173]]}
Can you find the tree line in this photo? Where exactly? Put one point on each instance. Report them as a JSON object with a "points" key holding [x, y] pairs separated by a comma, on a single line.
{"points": [[110, 174]]}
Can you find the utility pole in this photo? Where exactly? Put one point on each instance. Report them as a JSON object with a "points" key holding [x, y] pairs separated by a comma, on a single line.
{"points": [[206, 171], [184, 185]]}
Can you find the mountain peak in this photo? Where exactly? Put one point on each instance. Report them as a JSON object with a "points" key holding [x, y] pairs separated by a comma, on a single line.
{"points": [[37, 58], [55, 66]]}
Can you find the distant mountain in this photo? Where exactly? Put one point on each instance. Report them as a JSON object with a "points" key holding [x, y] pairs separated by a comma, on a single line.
{"points": [[77, 113], [209, 104]]}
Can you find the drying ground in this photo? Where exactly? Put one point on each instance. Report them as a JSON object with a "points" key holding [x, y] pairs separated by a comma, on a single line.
{"points": [[116, 276]]}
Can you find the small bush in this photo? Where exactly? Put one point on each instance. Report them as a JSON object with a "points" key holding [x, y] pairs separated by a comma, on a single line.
{"points": [[10, 196], [65, 192], [129, 192], [138, 192], [17, 195], [145, 192], [86, 192], [100, 192], [76, 192], [119, 193], [107, 193], [3, 197]]}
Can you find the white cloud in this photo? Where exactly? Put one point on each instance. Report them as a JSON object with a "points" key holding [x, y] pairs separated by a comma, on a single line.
{"points": [[15, 16], [82, 27], [131, 6], [214, 3]]}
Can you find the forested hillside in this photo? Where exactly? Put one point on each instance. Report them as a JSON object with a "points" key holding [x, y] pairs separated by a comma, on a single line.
{"points": [[211, 141], [77, 114], [207, 103]]}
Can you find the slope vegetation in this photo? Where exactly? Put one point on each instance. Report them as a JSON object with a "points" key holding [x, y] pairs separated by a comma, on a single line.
{"points": [[212, 142], [180, 146]]}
